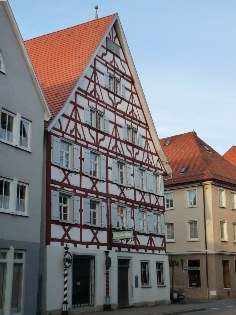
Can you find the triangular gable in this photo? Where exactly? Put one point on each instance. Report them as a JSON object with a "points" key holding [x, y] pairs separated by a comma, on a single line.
{"points": [[230, 155], [15, 28], [116, 22]]}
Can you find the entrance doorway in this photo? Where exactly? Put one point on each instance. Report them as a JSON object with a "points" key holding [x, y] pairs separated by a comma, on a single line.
{"points": [[83, 281], [123, 282]]}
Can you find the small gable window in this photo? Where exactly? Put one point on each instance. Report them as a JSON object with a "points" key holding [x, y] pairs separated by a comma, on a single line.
{"points": [[183, 169], [113, 47], [2, 65]]}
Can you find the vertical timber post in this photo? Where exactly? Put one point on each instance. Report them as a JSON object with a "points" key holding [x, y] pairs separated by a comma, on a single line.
{"points": [[67, 260], [107, 305]]}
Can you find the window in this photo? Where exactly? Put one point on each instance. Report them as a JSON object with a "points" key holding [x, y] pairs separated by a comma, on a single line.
{"points": [[21, 198], [222, 200], [94, 209], [193, 230], [223, 231], [233, 200], [113, 47], [24, 133], [121, 173], [194, 277], [7, 126], [64, 207], [65, 152], [226, 273], [96, 119], [121, 217], [142, 221], [15, 129], [4, 194], [94, 212], [192, 198], [14, 203], [160, 273], [157, 223], [169, 200], [183, 169], [132, 135], [94, 164], [170, 233], [2, 65], [14, 287], [145, 281], [234, 232]]}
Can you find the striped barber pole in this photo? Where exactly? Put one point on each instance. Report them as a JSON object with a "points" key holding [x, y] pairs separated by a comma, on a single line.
{"points": [[67, 263]]}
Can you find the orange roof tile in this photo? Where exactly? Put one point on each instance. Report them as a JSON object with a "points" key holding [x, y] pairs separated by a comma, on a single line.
{"points": [[60, 58], [230, 155], [202, 161]]}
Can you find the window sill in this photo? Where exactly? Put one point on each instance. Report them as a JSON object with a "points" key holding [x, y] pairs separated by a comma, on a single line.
{"points": [[161, 285], [170, 241], [14, 213], [169, 209], [15, 145], [146, 286], [193, 240], [223, 207], [2, 72], [191, 206], [224, 241]]}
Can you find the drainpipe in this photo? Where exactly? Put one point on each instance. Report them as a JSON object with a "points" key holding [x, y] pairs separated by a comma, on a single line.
{"points": [[205, 233]]}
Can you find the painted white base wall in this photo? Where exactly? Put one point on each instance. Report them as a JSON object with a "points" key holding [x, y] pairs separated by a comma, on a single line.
{"points": [[137, 295]]}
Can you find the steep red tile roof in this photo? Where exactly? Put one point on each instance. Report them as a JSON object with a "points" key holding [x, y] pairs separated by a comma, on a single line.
{"points": [[202, 161], [60, 58], [230, 155]]}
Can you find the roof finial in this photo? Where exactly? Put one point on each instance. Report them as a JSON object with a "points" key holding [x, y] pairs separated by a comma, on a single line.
{"points": [[96, 14]]}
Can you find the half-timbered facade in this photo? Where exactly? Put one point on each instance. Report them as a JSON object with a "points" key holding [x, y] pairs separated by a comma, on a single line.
{"points": [[104, 171]]}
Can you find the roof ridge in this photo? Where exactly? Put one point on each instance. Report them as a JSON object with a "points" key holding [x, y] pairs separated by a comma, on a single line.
{"points": [[178, 135], [70, 27]]}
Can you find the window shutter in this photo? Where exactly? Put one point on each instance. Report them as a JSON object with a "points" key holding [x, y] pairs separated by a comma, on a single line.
{"points": [[103, 167], [86, 211], [114, 215], [136, 219], [104, 214], [115, 171], [76, 158], [106, 80], [155, 184], [140, 141], [123, 90], [128, 175], [76, 209], [149, 181], [162, 224], [87, 115], [150, 222], [161, 185], [56, 150], [125, 134], [87, 162], [137, 177], [55, 205], [129, 219], [106, 125]]}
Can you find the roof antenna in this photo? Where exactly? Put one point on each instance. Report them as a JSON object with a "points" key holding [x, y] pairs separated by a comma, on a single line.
{"points": [[96, 14]]}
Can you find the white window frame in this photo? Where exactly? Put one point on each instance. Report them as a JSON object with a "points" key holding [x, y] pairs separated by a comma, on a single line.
{"points": [[233, 200], [157, 223], [95, 165], [16, 138], [2, 208], [146, 264], [13, 196], [143, 179], [65, 155], [193, 224], [234, 231], [2, 64], [223, 231], [121, 217], [170, 240], [190, 200], [10, 259], [9, 135], [63, 206], [169, 200], [162, 272], [20, 201], [121, 168], [95, 213], [222, 197]]}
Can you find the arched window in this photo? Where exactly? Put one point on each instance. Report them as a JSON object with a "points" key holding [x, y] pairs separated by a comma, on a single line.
{"points": [[2, 66]]}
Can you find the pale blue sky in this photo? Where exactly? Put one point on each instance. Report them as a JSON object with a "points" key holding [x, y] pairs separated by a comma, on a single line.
{"points": [[184, 52]]}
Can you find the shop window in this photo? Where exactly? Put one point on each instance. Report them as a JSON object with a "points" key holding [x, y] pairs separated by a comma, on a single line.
{"points": [[194, 275], [226, 273]]}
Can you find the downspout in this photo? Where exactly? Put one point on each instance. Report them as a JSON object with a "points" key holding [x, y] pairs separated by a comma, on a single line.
{"points": [[205, 233]]}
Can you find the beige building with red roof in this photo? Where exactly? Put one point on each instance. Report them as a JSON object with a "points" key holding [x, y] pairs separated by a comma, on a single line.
{"points": [[230, 155], [200, 218], [105, 168]]}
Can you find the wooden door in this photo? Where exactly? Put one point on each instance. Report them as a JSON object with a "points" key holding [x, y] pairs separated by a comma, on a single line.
{"points": [[123, 282]]}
